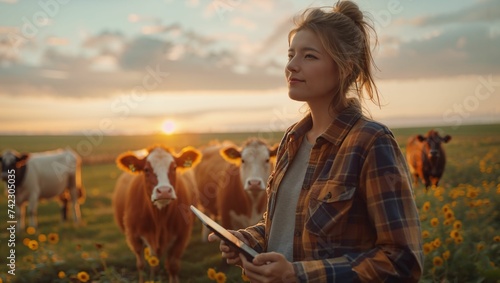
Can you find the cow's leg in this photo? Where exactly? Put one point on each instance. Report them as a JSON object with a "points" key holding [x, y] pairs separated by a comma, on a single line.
{"points": [[73, 190], [174, 254], [64, 206], [137, 246], [21, 212], [33, 209]]}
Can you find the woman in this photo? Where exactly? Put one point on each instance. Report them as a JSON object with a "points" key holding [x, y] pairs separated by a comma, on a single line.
{"points": [[340, 204]]}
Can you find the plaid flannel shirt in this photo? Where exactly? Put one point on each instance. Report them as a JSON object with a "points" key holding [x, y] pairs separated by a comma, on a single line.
{"points": [[356, 218]]}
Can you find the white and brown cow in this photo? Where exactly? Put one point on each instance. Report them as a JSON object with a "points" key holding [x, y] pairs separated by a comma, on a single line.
{"points": [[232, 182], [151, 203], [426, 157], [44, 175]]}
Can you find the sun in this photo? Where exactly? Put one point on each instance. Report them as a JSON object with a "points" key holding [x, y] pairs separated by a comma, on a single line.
{"points": [[168, 127]]}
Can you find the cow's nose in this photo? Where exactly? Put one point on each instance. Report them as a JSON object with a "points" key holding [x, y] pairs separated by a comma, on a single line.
{"points": [[254, 183], [165, 192]]}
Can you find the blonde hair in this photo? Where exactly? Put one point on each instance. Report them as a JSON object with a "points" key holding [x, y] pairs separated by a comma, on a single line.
{"points": [[345, 34]]}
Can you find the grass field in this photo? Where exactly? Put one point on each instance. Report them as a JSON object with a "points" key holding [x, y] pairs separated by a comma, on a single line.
{"points": [[460, 219]]}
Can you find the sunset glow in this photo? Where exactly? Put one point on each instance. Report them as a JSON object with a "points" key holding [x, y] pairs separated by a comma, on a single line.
{"points": [[168, 127]]}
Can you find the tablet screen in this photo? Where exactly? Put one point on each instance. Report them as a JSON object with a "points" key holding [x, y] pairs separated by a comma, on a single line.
{"points": [[225, 235]]}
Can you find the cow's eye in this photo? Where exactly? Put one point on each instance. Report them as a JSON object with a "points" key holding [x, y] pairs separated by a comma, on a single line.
{"points": [[242, 160], [267, 160], [147, 170]]}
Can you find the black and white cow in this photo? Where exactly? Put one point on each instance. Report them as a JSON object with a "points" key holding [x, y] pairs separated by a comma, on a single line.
{"points": [[43, 175]]}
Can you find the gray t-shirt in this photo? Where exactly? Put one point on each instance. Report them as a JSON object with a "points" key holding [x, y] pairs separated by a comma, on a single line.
{"points": [[283, 224]]}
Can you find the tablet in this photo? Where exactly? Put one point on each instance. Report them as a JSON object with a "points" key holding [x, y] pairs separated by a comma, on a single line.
{"points": [[225, 235]]}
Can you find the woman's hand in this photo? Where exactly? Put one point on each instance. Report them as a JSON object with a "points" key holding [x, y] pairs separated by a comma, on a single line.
{"points": [[231, 255], [268, 268]]}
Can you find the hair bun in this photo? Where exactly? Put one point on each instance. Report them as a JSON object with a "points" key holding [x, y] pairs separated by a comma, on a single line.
{"points": [[349, 9]]}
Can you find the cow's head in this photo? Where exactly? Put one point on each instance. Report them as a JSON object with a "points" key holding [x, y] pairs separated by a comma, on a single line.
{"points": [[432, 144], [254, 160], [13, 160], [159, 165]]}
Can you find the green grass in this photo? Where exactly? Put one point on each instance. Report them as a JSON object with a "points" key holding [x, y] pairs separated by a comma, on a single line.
{"points": [[473, 162]]}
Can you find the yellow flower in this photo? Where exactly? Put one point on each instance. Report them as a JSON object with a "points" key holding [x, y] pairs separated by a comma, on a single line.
{"points": [[434, 222], [85, 255], [445, 208], [426, 206], [437, 261], [446, 255], [33, 245], [243, 276], [53, 238], [428, 248], [472, 194], [496, 239], [220, 277], [447, 222], [457, 224], [61, 274], [425, 234], [454, 234], [459, 240], [31, 230], [42, 238], [26, 242], [211, 273], [480, 247], [83, 276], [436, 243], [147, 252], [449, 215], [103, 255], [153, 261]]}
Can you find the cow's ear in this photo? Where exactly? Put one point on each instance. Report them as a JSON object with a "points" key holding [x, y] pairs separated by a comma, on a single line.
{"points": [[21, 160], [273, 151], [128, 162], [446, 138], [420, 138], [231, 154], [188, 158]]}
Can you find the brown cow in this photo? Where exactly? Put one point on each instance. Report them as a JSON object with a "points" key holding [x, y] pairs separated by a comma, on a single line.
{"points": [[426, 157], [151, 203], [232, 181]]}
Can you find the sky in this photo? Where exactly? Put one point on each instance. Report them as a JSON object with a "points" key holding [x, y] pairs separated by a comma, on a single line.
{"points": [[140, 67]]}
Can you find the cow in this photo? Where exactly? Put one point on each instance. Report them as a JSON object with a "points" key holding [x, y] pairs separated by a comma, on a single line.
{"points": [[44, 175], [151, 203], [232, 182], [426, 157]]}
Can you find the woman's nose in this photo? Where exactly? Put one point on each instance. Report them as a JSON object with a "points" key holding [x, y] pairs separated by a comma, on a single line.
{"points": [[292, 65]]}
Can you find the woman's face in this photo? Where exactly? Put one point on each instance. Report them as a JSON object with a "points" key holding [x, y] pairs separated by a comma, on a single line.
{"points": [[311, 73]]}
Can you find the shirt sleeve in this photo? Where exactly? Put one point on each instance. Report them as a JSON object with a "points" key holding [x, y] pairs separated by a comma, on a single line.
{"points": [[255, 235], [386, 186], [397, 254]]}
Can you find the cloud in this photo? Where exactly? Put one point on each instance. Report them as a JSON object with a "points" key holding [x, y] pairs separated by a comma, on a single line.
{"points": [[110, 62], [464, 50], [482, 11], [192, 63]]}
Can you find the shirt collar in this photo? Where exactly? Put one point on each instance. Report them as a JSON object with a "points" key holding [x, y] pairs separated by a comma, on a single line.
{"points": [[335, 133]]}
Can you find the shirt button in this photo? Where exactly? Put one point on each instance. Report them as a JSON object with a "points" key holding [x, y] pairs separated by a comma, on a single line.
{"points": [[305, 187], [298, 233]]}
